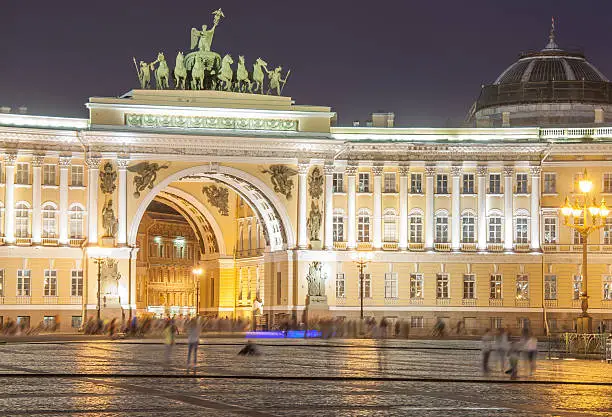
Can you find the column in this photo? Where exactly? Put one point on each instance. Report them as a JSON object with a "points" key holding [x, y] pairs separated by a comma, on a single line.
{"points": [[37, 161], [64, 164], [430, 171], [456, 209], [482, 207], [9, 198], [535, 207], [377, 172], [351, 172], [93, 165], [508, 192], [122, 164], [328, 169], [302, 206], [403, 212]]}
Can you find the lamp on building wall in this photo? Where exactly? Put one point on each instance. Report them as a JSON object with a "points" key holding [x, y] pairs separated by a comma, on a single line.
{"points": [[577, 216], [362, 259], [197, 272]]}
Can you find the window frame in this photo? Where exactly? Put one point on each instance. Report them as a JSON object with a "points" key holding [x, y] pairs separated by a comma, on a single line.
{"points": [[522, 287], [469, 227], [441, 225], [24, 282], [364, 223], [367, 285], [338, 182], [49, 174], [547, 227], [50, 283], [550, 287], [549, 183], [22, 173], [416, 183], [468, 182], [521, 234], [442, 286], [495, 183], [76, 283], [497, 236], [442, 183], [522, 183], [363, 182], [469, 287], [496, 282], [340, 285], [389, 182], [391, 285], [415, 228], [77, 171], [417, 286]]}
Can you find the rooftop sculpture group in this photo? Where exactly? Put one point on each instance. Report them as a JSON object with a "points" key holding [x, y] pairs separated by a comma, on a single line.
{"points": [[204, 69]]}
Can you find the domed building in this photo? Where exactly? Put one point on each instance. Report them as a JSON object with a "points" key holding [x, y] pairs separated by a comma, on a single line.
{"points": [[551, 87]]}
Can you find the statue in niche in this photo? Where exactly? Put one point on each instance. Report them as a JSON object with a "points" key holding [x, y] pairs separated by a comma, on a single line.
{"points": [[280, 178], [316, 280], [315, 183], [146, 176], [109, 221], [314, 222], [217, 197], [108, 176]]}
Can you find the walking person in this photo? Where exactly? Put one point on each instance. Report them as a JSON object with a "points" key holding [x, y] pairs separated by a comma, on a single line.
{"points": [[513, 358], [501, 347], [487, 347], [193, 339], [531, 346], [169, 340]]}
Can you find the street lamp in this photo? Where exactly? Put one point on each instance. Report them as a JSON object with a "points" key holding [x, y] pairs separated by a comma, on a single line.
{"points": [[362, 260], [576, 216], [197, 272], [98, 261]]}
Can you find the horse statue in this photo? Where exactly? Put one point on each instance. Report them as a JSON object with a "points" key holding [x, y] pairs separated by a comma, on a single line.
{"points": [[197, 75], [162, 73], [243, 83], [180, 72], [226, 74], [258, 75]]}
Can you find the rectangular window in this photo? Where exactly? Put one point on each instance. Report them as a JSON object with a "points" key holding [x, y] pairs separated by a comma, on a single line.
{"points": [[469, 286], [23, 282], [417, 322], [522, 287], [390, 182], [416, 286], [578, 239], [338, 230], [442, 284], [607, 182], [416, 184], [607, 287], [416, 229], [23, 322], [495, 287], [441, 184], [607, 231], [550, 287], [340, 285], [363, 228], [521, 231], [338, 182], [468, 183], [76, 286], [49, 174], [495, 229], [522, 323], [550, 183], [550, 230], [577, 286], [390, 226], [22, 175], [76, 322], [468, 229], [496, 322], [364, 182], [367, 286], [494, 183], [50, 283], [391, 285], [441, 229], [521, 183], [76, 175], [1, 282]]}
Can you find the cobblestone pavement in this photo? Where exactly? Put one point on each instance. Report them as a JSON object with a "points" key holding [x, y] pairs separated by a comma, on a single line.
{"points": [[289, 378]]}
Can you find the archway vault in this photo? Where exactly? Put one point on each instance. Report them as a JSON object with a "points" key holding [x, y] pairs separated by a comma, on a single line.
{"points": [[270, 210]]}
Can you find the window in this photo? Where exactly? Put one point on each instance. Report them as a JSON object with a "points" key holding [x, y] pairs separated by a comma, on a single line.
{"points": [[495, 184], [577, 178], [550, 183], [495, 229], [49, 214], [416, 285], [468, 183], [76, 175], [338, 182], [363, 226], [522, 323], [23, 282], [469, 289], [76, 285], [441, 184], [578, 239], [49, 174], [364, 182], [76, 322], [390, 182], [442, 286], [22, 221], [607, 182], [607, 287], [550, 287], [496, 322], [390, 226], [416, 229], [391, 285], [417, 322], [521, 230], [522, 287], [607, 231], [416, 183], [23, 322], [521, 183], [338, 228], [76, 222], [441, 229], [550, 230], [577, 286], [50, 289], [23, 173], [340, 285], [468, 228], [1, 282], [496, 287], [367, 286]]}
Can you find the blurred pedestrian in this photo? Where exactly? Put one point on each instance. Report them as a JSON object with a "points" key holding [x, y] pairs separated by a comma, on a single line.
{"points": [[531, 347], [487, 347], [501, 347], [249, 350], [169, 340], [513, 358], [193, 339]]}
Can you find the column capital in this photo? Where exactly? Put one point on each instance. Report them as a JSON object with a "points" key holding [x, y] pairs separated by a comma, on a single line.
{"points": [[535, 170], [10, 159], [351, 170], [456, 171], [377, 170], [122, 163], [430, 171], [65, 160], [482, 171], [37, 160], [508, 171], [303, 168], [403, 170], [328, 168], [93, 162]]}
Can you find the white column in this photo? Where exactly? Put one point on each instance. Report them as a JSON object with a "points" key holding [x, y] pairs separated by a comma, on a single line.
{"points": [[329, 207], [302, 206], [456, 209], [535, 207], [403, 211], [37, 161], [122, 164], [482, 207], [429, 207], [377, 172], [93, 165], [508, 193], [9, 198], [351, 171], [64, 163]]}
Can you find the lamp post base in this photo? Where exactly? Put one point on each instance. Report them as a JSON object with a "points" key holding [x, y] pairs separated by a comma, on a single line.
{"points": [[584, 324]]}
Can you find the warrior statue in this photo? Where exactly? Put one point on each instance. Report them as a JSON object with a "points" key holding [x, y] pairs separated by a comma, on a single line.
{"points": [[162, 73], [109, 222], [203, 38], [314, 222], [144, 74], [276, 81]]}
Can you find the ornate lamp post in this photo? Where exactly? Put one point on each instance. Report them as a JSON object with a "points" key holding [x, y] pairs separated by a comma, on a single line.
{"points": [[197, 272], [98, 261], [362, 260], [577, 216]]}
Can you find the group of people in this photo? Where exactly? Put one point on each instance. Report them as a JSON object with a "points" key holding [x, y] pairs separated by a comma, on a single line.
{"points": [[506, 347], [14, 328]]}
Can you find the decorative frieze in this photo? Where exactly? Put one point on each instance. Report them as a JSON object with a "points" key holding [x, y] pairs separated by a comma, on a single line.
{"points": [[217, 197], [93, 162], [207, 122], [146, 175], [280, 177]]}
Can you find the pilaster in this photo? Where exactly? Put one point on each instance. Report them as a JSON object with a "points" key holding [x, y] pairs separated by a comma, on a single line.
{"points": [[508, 214], [456, 209], [303, 168], [37, 162], [535, 207], [377, 238], [403, 212], [351, 172], [93, 168], [122, 164], [328, 169], [482, 172], [430, 171], [9, 198], [64, 164]]}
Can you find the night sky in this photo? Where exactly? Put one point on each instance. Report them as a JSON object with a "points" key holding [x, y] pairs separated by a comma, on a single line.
{"points": [[423, 60]]}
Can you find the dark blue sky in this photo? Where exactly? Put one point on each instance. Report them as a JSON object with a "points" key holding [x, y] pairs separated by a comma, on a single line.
{"points": [[423, 60]]}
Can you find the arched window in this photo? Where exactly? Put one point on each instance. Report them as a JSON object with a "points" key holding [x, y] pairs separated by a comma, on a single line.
{"points": [[338, 225], [495, 227], [390, 225], [416, 227], [468, 227], [22, 220], [441, 221], [363, 225], [521, 226], [77, 215], [49, 220]]}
